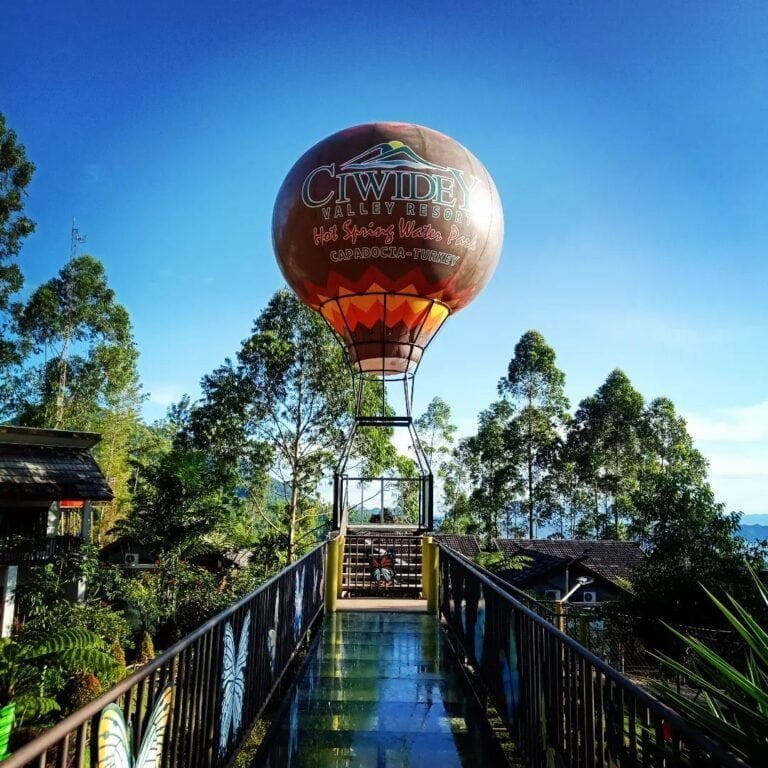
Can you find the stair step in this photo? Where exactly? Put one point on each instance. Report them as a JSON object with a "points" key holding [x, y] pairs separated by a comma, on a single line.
{"points": [[357, 578]]}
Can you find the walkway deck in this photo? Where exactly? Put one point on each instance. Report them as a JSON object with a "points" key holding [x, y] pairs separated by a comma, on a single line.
{"points": [[381, 689], [381, 605]]}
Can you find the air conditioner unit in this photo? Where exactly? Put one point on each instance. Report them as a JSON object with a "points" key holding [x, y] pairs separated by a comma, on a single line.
{"points": [[589, 597], [551, 594], [131, 558]]}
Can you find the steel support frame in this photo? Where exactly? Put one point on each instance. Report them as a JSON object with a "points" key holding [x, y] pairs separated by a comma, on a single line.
{"points": [[383, 419]]}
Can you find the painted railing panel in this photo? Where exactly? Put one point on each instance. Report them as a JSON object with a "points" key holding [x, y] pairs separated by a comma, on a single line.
{"points": [[562, 704], [192, 705]]}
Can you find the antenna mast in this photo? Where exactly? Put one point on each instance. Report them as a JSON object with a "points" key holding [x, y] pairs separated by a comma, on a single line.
{"points": [[76, 239]]}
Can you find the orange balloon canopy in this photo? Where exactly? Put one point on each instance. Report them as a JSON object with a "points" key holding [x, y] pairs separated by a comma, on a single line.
{"points": [[385, 229]]}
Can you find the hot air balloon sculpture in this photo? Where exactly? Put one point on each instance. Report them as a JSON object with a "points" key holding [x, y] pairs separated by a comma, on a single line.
{"points": [[386, 229]]}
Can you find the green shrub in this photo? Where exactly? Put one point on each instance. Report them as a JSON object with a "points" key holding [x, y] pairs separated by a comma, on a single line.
{"points": [[733, 703], [33, 673], [118, 653], [81, 689], [146, 649]]}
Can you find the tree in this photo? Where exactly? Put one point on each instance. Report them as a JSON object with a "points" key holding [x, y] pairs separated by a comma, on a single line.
{"points": [[534, 384], [667, 449], [84, 336], [456, 482], [689, 537], [289, 397], [81, 373], [490, 467], [15, 175], [574, 499], [180, 503], [690, 541], [605, 445], [436, 431]]}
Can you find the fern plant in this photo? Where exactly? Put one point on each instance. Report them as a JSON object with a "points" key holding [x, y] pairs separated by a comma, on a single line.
{"points": [[26, 669], [733, 702]]}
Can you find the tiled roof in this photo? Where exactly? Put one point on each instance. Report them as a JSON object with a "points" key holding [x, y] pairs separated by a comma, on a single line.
{"points": [[50, 473], [612, 560], [464, 544]]}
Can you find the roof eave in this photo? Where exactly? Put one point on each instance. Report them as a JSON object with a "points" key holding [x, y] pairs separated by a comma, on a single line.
{"points": [[62, 438]]}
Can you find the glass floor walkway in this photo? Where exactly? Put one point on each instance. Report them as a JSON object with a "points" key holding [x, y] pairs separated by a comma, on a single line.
{"points": [[380, 690]]}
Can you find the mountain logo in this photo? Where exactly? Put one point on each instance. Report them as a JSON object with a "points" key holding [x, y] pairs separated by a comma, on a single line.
{"points": [[389, 172], [387, 156]]}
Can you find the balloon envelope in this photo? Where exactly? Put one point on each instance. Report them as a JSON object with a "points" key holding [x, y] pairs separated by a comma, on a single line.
{"points": [[386, 229]]}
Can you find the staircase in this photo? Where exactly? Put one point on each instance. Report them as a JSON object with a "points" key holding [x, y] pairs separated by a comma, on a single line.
{"points": [[381, 565]]}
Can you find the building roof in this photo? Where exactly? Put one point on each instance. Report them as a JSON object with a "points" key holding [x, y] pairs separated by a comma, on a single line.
{"points": [[49, 465], [464, 544], [612, 560], [54, 437]]}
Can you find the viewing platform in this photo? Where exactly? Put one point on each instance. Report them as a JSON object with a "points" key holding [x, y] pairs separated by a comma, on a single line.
{"points": [[380, 687], [316, 679]]}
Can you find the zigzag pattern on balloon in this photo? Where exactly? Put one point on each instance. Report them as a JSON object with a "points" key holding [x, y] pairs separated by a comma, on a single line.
{"points": [[420, 316], [373, 280], [362, 302]]}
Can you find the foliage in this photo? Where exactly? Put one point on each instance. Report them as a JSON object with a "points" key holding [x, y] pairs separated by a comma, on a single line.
{"points": [[459, 517], [733, 703], [484, 459], [45, 604], [146, 649], [84, 336], [31, 672], [179, 501], [436, 431], [118, 654], [282, 411], [81, 689], [15, 175], [605, 447], [79, 369], [492, 561], [691, 542], [178, 596]]}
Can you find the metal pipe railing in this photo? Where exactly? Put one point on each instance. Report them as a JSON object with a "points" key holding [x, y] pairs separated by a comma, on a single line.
{"points": [[560, 702], [200, 697]]}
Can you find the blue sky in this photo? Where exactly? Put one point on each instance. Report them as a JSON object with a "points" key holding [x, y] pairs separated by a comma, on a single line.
{"points": [[628, 141]]}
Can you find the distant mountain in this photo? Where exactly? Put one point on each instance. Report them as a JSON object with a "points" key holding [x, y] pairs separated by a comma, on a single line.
{"points": [[755, 519], [278, 491], [754, 532]]}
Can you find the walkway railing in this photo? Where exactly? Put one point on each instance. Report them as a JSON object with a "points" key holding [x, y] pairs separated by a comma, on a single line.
{"points": [[19, 550], [192, 705], [562, 704]]}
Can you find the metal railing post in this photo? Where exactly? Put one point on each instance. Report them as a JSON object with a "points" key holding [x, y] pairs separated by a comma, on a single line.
{"points": [[336, 522], [432, 575], [332, 575], [430, 502], [340, 578], [425, 571]]}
